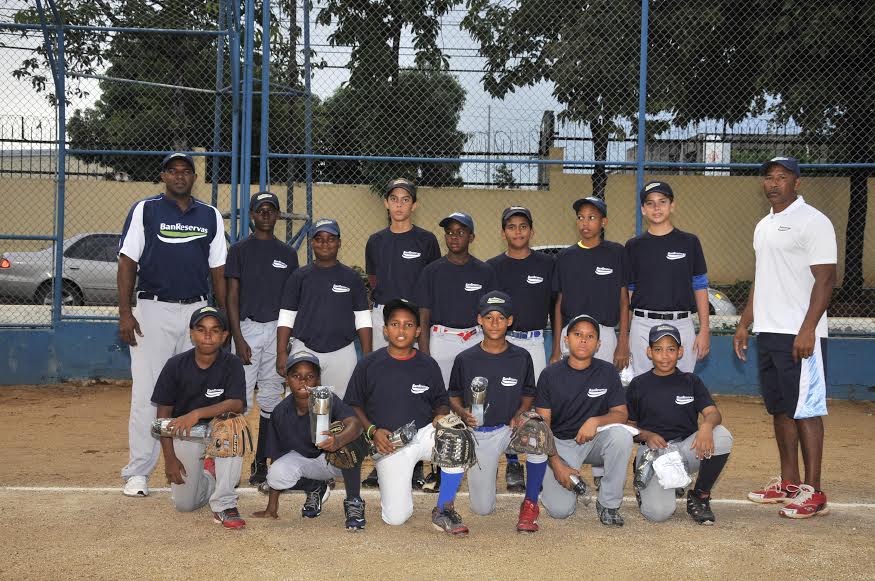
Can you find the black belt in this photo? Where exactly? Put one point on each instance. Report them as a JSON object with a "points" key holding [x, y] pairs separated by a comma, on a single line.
{"points": [[154, 297], [662, 316]]}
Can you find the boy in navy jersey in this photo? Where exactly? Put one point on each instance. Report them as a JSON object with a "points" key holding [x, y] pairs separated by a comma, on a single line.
{"points": [[668, 280], [664, 404], [297, 459], [389, 388], [194, 387], [582, 400], [527, 276], [324, 306], [510, 392], [256, 272]]}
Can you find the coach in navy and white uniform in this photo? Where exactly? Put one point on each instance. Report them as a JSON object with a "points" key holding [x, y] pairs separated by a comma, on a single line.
{"points": [[324, 307], [448, 293], [396, 255], [796, 256], [527, 276], [172, 245]]}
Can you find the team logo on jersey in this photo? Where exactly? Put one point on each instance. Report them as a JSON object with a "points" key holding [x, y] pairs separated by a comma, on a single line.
{"points": [[509, 381], [279, 264], [418, 388], [214, 392], [181, 233], [472, 286], [532, 279], [683, 399], [603, 271], [783, 228], [339, 288], [410, 255], [596, 392], [675, 255]]}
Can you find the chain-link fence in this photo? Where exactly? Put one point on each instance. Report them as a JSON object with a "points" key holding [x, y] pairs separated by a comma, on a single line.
{"points": [[485, 103]]}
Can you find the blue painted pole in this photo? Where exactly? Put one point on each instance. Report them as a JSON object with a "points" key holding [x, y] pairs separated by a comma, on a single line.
{"points": [[60, 92], [642, 112], [217, 105], [308, 123], [265, 95], [246, 149], [234, 30]]}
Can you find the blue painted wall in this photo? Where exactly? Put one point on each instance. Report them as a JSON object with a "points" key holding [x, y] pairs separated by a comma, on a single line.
{"points": [[93, 350]]}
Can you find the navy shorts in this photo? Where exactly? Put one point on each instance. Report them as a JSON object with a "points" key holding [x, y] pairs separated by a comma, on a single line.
{"points": [[797, 390]]}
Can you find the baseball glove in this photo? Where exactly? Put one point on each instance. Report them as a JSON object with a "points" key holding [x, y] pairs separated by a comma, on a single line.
{"points": [[533, 436], [453, 443], [229, 436], [350, 455]]}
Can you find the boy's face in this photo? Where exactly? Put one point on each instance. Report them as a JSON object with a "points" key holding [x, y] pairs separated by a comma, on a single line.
{"points": [[302, 376], [401, 329], [325, 246], [657, 208], [590, 222], [517, 232], [457, 237], [208, 336], [665, 354], [264, 217], [494, 324], [582, 340], [400, 205]]}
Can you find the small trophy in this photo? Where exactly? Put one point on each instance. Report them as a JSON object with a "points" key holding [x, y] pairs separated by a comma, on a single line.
{"points": [[478, 398], [320, 401]]}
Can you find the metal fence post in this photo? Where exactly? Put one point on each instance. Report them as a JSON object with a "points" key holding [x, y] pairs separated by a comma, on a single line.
{"points": [[642, 112], [217, 117], [265, 94], [308, 122], [234, 29]]}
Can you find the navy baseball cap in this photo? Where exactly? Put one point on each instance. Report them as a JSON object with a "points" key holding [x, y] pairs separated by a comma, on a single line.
{"points": [[396, 304], [789, 163], [183, 156], [460, 217], [588, 319], [263, 198], [325, 225], [403, 183], [300, 357], [656, 186], [495, 301], [598, 203], [516, 211], [664, 330], [205, 312]]}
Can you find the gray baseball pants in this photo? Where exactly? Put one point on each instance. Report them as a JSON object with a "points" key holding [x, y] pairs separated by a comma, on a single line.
{"points": [[444, 346], [285, 471], [261, 370], [165, 334], [639, 341], [336, 367], [200, 487]]}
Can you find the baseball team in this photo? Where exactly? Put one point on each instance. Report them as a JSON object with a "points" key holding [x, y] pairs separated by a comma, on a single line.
{"points": [[452, 335]]}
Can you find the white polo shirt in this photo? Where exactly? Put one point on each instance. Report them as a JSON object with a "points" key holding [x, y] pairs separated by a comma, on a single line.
{"points": [[787, 244]]}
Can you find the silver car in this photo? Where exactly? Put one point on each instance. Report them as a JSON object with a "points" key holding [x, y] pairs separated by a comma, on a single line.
{"points": [[719, 304], [90, 266]]}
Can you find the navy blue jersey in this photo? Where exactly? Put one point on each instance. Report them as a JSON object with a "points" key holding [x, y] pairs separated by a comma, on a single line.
{"points": [[668, 405], [661, 270], [187, 387], [590, 280], [511, 376], [573, 396], [528, 281], [397, 260], [326, 300], [452, 291], [262, 266], [289, 431], [394, 392], [174, 250]]}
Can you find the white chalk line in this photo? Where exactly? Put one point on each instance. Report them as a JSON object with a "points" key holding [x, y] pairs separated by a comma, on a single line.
{"points": [[365, 493]]}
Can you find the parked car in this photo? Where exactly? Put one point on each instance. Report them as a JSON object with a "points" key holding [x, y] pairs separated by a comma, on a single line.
{"points": [[90, 266], [719, 304]]}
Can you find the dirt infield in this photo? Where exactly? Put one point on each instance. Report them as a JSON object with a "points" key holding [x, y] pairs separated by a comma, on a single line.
{"points": [[67, 436]]}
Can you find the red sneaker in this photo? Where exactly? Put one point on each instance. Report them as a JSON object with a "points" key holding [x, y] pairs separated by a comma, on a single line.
{"points": [[229, 518], [775, 492], [806, 504], [210, 466], [528, 521]]}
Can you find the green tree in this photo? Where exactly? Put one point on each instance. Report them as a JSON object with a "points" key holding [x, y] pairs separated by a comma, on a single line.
{"points": [[503, 177]]}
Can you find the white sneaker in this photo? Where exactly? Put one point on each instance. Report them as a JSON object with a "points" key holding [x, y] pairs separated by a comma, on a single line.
{"points": [[136, 486]]}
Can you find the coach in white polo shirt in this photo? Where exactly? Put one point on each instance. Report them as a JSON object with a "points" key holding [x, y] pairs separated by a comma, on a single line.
{"points": [[796, 258]]}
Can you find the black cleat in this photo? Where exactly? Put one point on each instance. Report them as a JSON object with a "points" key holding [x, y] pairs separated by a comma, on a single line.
{"points": [[371, 480], [418, 479], [515, 476], [258, 473], [315, 498], [700, 509], [354, 511]]}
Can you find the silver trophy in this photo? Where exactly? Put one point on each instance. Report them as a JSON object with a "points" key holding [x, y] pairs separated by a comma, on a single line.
{"points": [[198, 432], [399, 438], [320, 401], [478, 398]]}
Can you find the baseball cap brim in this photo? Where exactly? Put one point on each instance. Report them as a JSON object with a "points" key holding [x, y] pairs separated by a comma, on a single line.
{"points": [[204, 312], [787, 164], [657, 334], [396, 304], [594, 202], [462, 220], [582, 318], [301, 357], [330, 227], [263, 198], [408, 187], [174, 156], [516, 211]]}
